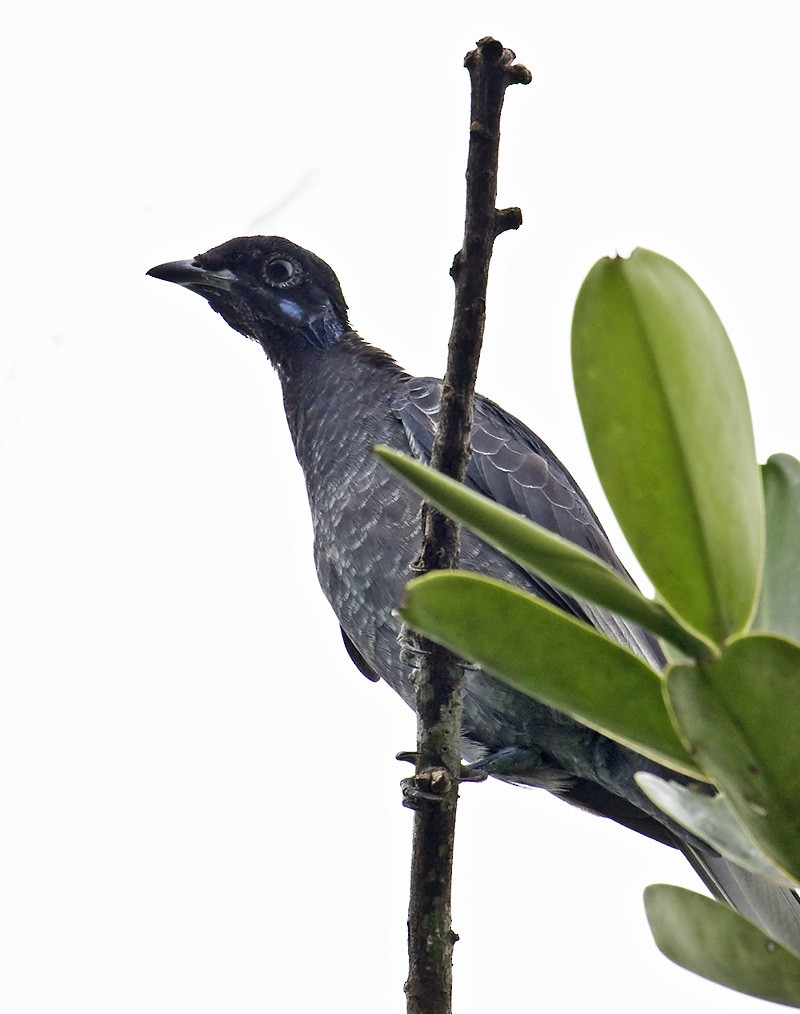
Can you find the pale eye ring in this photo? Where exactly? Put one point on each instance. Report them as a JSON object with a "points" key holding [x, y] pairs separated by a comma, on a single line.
{"points": [[280, 272]]}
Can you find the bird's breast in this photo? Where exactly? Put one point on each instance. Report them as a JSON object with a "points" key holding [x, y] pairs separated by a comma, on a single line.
{"points": [[366, 522], [366, 534]]}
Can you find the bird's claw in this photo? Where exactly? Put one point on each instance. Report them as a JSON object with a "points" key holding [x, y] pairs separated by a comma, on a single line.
{"points": [[427, 787], [415, 797], [410, 654]]}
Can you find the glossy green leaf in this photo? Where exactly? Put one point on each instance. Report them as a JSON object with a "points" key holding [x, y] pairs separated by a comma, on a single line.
{"points": [[711, 819], [667, 419], [740, 715], [709, 938], [542, 651], [779, 603], [540, 551]]}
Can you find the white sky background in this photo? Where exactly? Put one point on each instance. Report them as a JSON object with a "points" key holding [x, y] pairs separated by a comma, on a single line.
{"points": [[199, 800]]}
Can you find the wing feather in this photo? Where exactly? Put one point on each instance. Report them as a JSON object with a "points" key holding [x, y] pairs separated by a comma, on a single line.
{"points": [[514, 467]]}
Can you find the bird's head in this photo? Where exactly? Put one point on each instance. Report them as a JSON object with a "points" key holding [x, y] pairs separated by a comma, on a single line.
{"points": [[269, 289]]}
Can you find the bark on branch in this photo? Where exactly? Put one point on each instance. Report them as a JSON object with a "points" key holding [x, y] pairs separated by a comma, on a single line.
{"points": [[433, 792]]}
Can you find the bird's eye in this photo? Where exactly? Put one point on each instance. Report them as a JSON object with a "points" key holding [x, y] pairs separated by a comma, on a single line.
{"points": [[280, 271]]}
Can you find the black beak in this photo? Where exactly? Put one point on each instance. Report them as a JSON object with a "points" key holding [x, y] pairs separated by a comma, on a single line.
{"points": [[190, 274]]}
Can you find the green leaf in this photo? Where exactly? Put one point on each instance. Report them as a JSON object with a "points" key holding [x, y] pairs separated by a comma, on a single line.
{"points": [[740, 715], [542, 651], [667, 419], [779, 604], [712, 820], [709, 938], [540, 551]]}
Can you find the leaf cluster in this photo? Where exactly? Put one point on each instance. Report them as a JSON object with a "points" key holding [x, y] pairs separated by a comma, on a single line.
{"points": [[668, 423]]}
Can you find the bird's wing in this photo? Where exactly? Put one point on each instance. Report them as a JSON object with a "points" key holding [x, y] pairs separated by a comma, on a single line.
{"points": [[515, 468]]}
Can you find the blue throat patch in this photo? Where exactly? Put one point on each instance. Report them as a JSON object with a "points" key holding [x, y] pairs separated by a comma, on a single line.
{"points": [[321, 326]]}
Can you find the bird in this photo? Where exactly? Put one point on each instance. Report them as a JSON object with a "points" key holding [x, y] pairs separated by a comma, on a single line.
{"points": [[342, 397]]}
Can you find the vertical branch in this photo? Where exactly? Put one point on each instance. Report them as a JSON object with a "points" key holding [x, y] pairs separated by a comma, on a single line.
{"points": [[433, 792]]}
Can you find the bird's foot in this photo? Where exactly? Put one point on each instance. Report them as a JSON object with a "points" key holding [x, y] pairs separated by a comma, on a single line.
{"points": [[412, 654], [427, 787], [416, 796]]}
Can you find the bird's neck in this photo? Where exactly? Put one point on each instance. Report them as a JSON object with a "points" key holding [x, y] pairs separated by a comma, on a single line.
{"points": [[338, 402]]}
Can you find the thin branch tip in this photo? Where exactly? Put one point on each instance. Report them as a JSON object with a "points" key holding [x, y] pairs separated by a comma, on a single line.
{"points": [[493, 49], [493, 53]]}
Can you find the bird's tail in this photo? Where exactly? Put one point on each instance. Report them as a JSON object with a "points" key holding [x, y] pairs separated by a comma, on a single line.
{"points": [[774, 909]]}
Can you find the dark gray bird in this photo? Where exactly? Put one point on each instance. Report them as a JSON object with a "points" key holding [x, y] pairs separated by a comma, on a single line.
{"points": [[342, 397]]}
